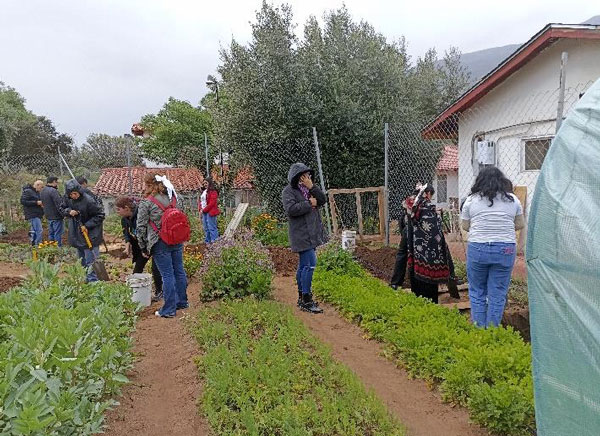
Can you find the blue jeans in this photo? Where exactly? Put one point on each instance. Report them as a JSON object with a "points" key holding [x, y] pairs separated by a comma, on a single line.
{"points": [[36, 228], [489, 267], [306, 269], [55, 231], [211, 232], [87, 256], [169, 260]]}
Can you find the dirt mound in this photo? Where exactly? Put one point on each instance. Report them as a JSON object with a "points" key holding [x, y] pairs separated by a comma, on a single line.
{"points": [[7, 283], [118, 253], [378, 261], [285, 261]]}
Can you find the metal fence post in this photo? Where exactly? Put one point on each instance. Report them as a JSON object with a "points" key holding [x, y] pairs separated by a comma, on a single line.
{"points": [[318, 153], [386, 194], [206, 151], [561, 92]]}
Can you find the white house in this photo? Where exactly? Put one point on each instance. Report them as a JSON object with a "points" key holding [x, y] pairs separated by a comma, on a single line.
{"points": [[508, 118], [445, 180]]}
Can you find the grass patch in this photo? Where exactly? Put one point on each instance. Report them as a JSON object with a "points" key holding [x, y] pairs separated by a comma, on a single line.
{"points": [[265, 374]]}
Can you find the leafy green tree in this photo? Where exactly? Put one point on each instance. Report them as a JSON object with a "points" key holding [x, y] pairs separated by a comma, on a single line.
{"points": [[105, 151], [14, 117], [177, 134]]}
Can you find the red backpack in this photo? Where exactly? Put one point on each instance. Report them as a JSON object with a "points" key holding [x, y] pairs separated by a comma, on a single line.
{"points": [[174, 224]]}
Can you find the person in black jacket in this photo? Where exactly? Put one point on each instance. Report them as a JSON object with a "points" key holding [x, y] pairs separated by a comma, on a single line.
{"points": [[84, 188], [128, 211], [86, 216], [301, 200], [33, 210], [52, 202]]}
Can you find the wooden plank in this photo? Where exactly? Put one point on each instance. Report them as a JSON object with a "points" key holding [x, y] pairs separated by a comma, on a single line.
{"points": [[235, 222], [361, 229], [444, 289], [521, 193], [354, 190], [382, 213], [333, 212]]}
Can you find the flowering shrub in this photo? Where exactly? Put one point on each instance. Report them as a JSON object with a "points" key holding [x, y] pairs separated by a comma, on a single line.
{"points": [[192, 260], [268, 231], [235, 268]]}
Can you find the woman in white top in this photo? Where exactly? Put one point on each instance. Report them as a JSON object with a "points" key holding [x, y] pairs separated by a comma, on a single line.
{"points": [[491, 214]]}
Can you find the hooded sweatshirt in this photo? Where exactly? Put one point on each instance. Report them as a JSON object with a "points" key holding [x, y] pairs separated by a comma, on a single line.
{"points": [[91, 215], [305, 226]]}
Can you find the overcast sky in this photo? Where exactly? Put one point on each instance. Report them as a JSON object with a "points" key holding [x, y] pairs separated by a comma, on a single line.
{"points": [[98, 66]]}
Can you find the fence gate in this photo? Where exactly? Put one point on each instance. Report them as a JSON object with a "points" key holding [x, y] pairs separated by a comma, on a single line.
{"points": [[360, 209]]}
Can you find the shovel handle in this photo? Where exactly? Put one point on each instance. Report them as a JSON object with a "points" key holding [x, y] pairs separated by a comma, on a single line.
{"points": [[86, 236]]}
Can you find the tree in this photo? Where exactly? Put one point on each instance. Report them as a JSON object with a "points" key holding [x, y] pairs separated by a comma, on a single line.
{"points": [[177, 134], [455, 77], [105, 151], [14, 117]]}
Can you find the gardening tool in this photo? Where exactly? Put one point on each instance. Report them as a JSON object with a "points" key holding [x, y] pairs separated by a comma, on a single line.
{"points": [[97, 265]]}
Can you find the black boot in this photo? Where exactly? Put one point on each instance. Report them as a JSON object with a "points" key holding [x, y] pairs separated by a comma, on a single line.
{"points": [[308, 305], [299, 298]]}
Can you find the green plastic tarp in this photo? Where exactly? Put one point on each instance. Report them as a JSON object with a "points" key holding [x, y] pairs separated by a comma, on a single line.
{"points": [[563, 261]]}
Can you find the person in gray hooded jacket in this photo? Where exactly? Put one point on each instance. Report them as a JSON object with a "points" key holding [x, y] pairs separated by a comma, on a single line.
{"points": [[301, 200]]}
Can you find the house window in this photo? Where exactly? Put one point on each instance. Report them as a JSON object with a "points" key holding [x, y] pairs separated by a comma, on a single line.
{"points": [[442, 188], [535, 151]]}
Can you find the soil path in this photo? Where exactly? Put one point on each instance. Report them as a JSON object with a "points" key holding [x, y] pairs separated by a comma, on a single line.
{"points": [[162, 396], [417, 407]]}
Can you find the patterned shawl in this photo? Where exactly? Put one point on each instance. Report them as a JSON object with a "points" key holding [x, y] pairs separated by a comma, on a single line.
{"points": [[427, 250]]}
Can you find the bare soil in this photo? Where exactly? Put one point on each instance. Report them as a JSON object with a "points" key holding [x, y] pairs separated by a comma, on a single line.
{"points": [[7, 283], [21, 236], [162, 396], [285, 261], [419, 408]]}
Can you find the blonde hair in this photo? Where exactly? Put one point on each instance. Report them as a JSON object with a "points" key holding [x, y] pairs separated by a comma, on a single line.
{"points": [[152, 187]]}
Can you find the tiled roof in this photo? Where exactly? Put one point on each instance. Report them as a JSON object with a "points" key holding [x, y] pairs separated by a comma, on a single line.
{"points": [[114, 181], [244, 179], [449, 160]]}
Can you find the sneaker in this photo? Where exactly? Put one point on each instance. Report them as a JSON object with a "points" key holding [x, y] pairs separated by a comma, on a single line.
{"points": [[157, 313], [394, 287], [183, 306], [156, 297]]}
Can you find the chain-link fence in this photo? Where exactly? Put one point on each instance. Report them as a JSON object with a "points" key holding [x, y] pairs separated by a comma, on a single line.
{"points": [[511, 133]]}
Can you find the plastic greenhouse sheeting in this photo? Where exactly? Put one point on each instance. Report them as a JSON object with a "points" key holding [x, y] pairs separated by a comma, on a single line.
{"points": [[563, 261]]}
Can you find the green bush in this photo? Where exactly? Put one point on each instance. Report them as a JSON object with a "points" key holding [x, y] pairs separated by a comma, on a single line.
{"points": [[269, 231], [112, 225], [64, 350], [266, 375], [331, 257], [488, 371], [235, 268]]}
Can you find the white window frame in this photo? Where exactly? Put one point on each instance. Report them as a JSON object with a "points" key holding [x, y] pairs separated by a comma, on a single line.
{"points": [[524, 140]]}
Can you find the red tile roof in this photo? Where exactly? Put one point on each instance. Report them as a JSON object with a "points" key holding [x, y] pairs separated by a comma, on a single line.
{"points": [[449, 160], [114, 181], [244, 179]]}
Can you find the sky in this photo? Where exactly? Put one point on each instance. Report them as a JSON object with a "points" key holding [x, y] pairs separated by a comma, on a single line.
{"points": [[99, 66]]}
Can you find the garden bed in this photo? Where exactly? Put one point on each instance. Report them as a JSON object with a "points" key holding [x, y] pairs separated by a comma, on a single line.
{"points": [[7, 283], [266, 374], [286, 262]]}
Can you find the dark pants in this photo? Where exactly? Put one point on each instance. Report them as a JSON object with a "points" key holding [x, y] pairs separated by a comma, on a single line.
{"points": [[401, 260], [424, 289]]}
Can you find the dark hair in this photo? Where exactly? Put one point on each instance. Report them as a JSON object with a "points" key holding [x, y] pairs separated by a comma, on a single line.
{"points": [[81, 180], [51, 179], [212, 186], [125, 202], [491, 182], [429, 189]]}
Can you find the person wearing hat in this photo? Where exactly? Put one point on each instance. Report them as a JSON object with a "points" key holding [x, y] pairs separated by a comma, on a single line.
{"points": [[301, 200]]}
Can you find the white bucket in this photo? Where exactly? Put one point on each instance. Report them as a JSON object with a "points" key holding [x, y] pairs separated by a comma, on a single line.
{"points": [[348, 240], [141, 285]]}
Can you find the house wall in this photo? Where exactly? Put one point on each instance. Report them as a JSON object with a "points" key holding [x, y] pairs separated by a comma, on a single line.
{"points": [[452, 186], [524, 106]]}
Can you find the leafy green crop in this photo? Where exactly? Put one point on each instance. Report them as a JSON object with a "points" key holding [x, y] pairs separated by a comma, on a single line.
{"points": [[488, 371], [266, 375], [64, 350]]}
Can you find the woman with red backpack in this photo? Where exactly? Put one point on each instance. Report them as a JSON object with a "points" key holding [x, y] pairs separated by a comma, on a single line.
{"points": [[162, 228], [209, 206]]}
